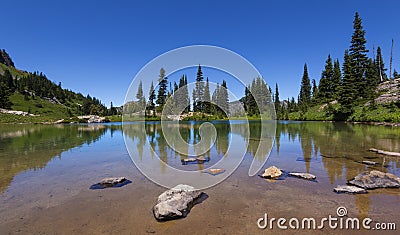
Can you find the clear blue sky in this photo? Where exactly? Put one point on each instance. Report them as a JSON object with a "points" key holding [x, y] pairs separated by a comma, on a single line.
{"points": [[97, 47]]}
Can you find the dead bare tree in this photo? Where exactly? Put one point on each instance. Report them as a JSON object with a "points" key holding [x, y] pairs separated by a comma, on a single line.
{"points": [[391, 60]]}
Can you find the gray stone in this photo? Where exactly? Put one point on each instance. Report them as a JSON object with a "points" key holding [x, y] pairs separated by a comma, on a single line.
{"points": [[349, 189], [272, 172], [375, 179], [371, 163], [306, 176], [189, 159], [176, 202], [200, 159], [112, 181], [215, 171]]}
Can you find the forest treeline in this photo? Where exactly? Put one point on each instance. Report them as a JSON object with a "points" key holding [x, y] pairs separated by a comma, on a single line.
{"points": [[347, 87], [174, 99]]}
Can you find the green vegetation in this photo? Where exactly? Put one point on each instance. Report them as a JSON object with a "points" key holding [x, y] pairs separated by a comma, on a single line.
{"points": [[344, 95], [36, 94]]}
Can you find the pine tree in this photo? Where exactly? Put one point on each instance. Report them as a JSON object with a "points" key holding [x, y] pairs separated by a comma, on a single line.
{"points": [[141, 100], [372, 80], [305, 91], [4, 96], [348, 89], [207, 98], [223, 98], [162, 90], [380, 66], [198, 92], [395, 74], [277, 102], [152, 97], [9, 81], [358, 56], [314, 91], [325, 87], [336, 79]]}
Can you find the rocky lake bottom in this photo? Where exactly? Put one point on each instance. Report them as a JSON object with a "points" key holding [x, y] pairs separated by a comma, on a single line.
{"points": [[47, 172]]}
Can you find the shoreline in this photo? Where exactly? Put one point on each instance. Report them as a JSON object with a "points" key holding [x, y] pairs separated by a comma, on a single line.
{"points": [[390, 124]]}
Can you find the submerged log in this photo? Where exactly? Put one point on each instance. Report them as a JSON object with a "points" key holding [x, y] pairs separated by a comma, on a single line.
{"points": [[385, 152]]}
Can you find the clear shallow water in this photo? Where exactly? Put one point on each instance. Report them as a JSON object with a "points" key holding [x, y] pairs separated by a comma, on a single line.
{"points": [[46, 172]]}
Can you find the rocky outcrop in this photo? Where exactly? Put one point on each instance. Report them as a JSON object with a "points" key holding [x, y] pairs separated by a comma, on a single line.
{"points": [[177, 202], [93, 118], [272, 172], [5, 58], [349, 189], [15, 112], [390, 90], [306, 176], [375, 179]]}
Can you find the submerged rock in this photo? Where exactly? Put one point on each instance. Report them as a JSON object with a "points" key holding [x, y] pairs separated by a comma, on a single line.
{"points": [[306, 176], [371, 163], [375, 179], [200, 159], [272, 172], [177, 202], [215, 171], [111, 182], [349, 189], [188, 160]]}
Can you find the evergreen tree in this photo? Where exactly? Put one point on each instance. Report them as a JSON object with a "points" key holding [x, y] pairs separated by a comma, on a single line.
{"points": [[4, 96], [198, 92], [395, 74], [207, 98], [358, 56], [162, 90], [175, 87], [223, 98], [325, 87], [314, 91], [336, 79], [348, 89], [141, 100], [185, 93], [380, 66], [277, 102], [372, 80], [152, 97], [305, 91], [9, 81], [251, 105]]}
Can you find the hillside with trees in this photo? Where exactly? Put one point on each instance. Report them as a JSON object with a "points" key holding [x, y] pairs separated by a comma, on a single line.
{"points": [[39, 98], [359, 90]]}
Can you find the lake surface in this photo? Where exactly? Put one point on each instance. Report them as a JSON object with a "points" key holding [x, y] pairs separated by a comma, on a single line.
{"points": [[46, 172]]}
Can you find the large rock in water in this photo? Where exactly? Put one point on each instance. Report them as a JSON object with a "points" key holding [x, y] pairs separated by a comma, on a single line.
{"points": [[176, 202], [272, 172], [375, 179]]}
